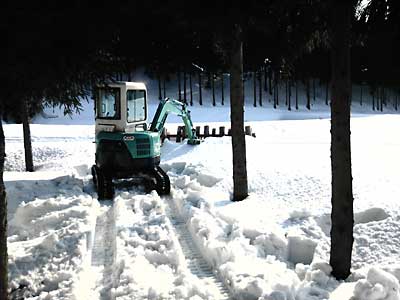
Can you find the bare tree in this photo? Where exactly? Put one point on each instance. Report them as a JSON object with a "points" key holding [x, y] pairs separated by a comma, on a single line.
{"points": [[27, 136], [240, 189], [342, 192], [3, 222]]}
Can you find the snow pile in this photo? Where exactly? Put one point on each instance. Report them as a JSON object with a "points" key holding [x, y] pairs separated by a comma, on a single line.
{"points": [[251, 263], [149, 262], [317, 282], [379, 285], [48, 240]]}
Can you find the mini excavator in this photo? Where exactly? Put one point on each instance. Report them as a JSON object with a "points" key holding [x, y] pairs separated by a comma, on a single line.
{"points": [[126, 146]]}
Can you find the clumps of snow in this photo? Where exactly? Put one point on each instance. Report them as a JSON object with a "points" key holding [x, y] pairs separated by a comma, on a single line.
{"points": [[207, 180], [376, 242], [272, 243], [300, 214], [82, 170], [317, 282], [301, 249], [373, 214], [153, 265], [379, 285], [48, 241], [251, 263]]}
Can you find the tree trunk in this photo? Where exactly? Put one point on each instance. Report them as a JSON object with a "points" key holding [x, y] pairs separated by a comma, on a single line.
{"points": [[254, 89], [213, 89], [3, 222], [289, 96], [222, 89], [361, 95], [240, 191], [373, 99], [159, 88], [265, 79], [314, 92], [275, 91], [270, 81], [179, 86], [27, 137], [342, 192], [297, 96], [286, 93], [165, 93], [308, 105], [260, 88], [184, 87], [200, 94], [191, 88], [327, 93]]}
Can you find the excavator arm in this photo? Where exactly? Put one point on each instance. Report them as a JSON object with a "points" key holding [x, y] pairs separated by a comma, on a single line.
{"points": [[178, 108]]}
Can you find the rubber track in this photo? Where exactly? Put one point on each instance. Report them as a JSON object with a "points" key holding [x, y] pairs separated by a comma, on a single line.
{"points": [[196, 263]]}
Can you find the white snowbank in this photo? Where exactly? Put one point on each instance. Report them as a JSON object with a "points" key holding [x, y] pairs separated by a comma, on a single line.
{"points": [[379, 285]]}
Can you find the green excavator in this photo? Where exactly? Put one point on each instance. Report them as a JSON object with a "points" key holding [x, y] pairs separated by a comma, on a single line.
{"points": [[126, 146]]}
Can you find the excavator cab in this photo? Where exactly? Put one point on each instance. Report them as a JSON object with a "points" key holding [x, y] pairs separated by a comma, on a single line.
{"points": [[126, 147], [121, 107]]}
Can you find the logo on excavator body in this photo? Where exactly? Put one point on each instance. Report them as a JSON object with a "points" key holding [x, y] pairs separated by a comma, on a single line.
{"points": [[129, 138]]}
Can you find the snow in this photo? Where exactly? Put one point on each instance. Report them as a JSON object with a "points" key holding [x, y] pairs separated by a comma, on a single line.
{"points": [[65, 244]]}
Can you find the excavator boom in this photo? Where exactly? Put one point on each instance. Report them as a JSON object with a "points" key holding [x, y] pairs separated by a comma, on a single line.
{"points": [[178, 108]]}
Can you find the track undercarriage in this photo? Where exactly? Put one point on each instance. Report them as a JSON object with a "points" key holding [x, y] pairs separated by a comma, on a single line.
{"points": [[152, 179]]}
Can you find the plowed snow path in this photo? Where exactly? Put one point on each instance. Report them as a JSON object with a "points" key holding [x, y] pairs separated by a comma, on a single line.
{"points": [[196, 263], [104, 250]]}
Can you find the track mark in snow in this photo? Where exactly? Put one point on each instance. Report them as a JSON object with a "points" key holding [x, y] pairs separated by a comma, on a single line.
{"points": [[104, 249], [196, 263]]}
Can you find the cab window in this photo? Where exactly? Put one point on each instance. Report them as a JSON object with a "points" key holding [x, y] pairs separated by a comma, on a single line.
{"points": [[108, 103], [136, 104]]}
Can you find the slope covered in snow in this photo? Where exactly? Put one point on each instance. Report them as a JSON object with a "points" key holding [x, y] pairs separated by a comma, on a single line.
{"points": [[197, 244]]}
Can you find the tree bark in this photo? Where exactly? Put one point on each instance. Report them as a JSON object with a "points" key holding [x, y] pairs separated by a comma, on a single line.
{"points": [[200, 94], [240, 190], [159, 87], [270, 80], [314, 92], [191, 88], [342, 192], [179, 86], [260, 88], [254, 89], [165, 94], [3, 222], [327, 93], [308, 105], [265, 79], [286, 93], [289, 96], [275, 91], [27, 137], [373, 100], [213, 90], [184, 87], [222, 90]]}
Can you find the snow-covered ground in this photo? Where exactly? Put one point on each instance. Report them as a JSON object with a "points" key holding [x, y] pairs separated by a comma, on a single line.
{"points": [[197, 244]]}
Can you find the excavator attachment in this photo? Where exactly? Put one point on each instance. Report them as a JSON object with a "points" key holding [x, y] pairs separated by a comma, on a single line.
{"points": [[178, 108]]}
